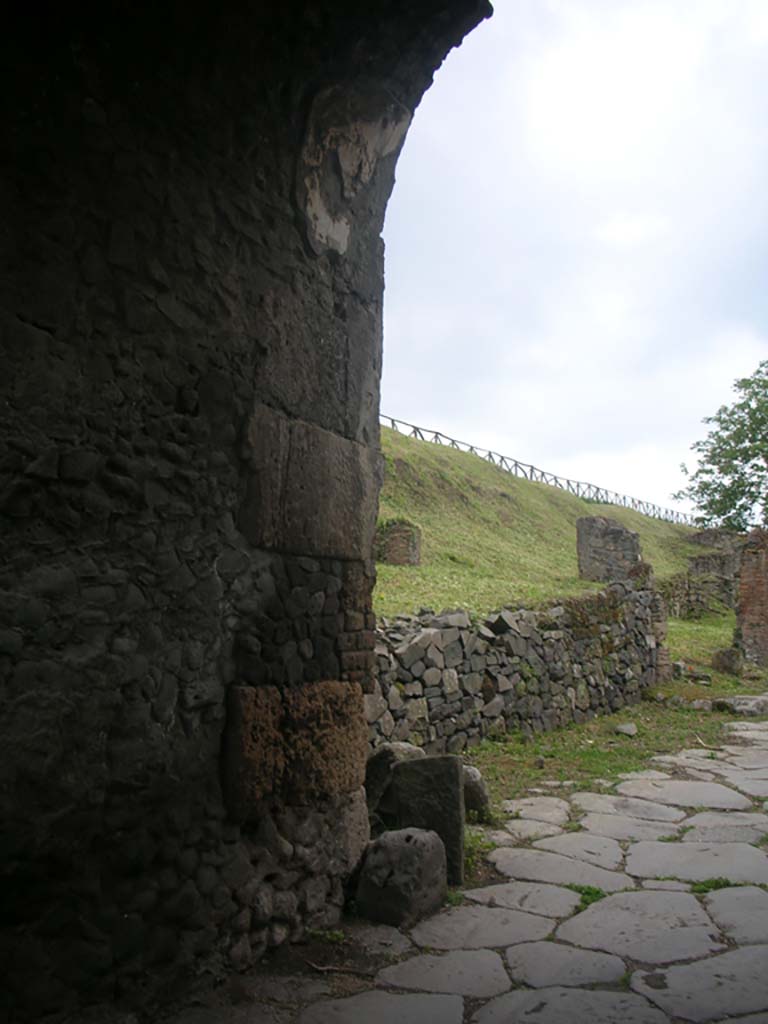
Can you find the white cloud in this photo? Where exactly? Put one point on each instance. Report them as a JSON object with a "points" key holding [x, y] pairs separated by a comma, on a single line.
{"points": [[576, 241]]}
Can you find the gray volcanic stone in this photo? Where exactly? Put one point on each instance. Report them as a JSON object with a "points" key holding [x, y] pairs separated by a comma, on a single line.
{"points": [[685, 794], [653, 927], [539, 964], [719, 987], [533, 897], [403, 877], [381, 763], [622, 827], [476, 797], [753, 786], [384, 1008], [378, 939], [696, 862], [477, 973], [523, 829], [568, 1006], [479, 927], [605, 853], [543, 866], [429, 794], [725, 827], [551, 809], [742, 913], [604, 803], [646, 773], [666, 885]]}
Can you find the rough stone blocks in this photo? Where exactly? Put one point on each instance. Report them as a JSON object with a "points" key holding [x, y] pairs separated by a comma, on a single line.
{"points": [[606, 549], [398, 543], [308, 491], [304, 744]]}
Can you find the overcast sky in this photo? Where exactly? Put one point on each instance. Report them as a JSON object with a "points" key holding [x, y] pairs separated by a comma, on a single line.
{"points": [[577, 243]]}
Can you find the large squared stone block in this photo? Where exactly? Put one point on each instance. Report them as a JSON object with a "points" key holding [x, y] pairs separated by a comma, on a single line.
{"points": [[429, 793], [307, 743]]}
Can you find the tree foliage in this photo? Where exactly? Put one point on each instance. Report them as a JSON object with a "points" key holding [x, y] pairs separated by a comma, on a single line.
{"points": [[729, 487]]}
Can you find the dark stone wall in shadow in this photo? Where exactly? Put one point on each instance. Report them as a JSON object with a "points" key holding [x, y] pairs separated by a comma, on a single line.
{"points": [[190, 325]]}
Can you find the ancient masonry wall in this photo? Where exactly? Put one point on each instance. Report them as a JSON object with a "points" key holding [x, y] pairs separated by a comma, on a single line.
{"points": [[752, 611], [190, 323], [606, 549], [445, 683]]}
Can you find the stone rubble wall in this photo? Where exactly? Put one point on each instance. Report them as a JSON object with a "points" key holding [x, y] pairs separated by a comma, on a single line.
{"points": [[689, 596], [444, 683]]}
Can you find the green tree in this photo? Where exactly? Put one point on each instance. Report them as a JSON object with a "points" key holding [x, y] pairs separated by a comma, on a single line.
{"points": [[730, 484]]}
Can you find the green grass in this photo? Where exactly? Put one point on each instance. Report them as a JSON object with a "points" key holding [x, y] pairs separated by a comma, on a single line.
{"points": [[511, 765], [589, 894], [712, 884], [476, 844], [490, 539], [694, 641]]}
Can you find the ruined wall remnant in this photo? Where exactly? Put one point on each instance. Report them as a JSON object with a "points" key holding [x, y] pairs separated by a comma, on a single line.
{"points": [[752, 611], [606, 549], [190, 323], [444, 684], [398, 542]]}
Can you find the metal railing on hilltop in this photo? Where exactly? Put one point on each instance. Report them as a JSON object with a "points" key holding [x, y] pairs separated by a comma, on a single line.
{"points": [[590, 492]]}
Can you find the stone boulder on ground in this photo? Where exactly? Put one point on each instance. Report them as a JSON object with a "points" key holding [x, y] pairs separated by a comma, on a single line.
{"points": [[476, 798], [403, 877], [381, 764]]}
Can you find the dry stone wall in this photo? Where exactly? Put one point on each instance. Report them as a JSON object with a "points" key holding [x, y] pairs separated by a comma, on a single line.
{"points": [[444, 682]]}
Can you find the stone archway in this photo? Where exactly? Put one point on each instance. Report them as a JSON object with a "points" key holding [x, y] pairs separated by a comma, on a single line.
{"points": [[190, 320]]}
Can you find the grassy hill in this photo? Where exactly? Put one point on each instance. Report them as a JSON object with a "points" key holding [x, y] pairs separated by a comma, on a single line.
{"points": [[489, 538]]}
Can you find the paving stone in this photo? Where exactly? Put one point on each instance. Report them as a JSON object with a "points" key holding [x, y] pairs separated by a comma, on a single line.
{"points": [[477, 973], [653, 927], [753, 820], [384, 1008], [622, 827], [720, 987], [695, 862], [479, 928], [543, 866], [605, 853], [540, 964], [647, 773], [747, 757], [754, 787], [568, 1006], [533, 897], [379, 939], [524, 829], [540, 808], [647, 810], [685, 794], [501, 838], [742, 913], [666, 885]]}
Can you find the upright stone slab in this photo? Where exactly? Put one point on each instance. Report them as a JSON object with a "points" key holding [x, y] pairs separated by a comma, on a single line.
{"points": [[752, 613], [606, 549], [429, 794], [398, 542]]}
